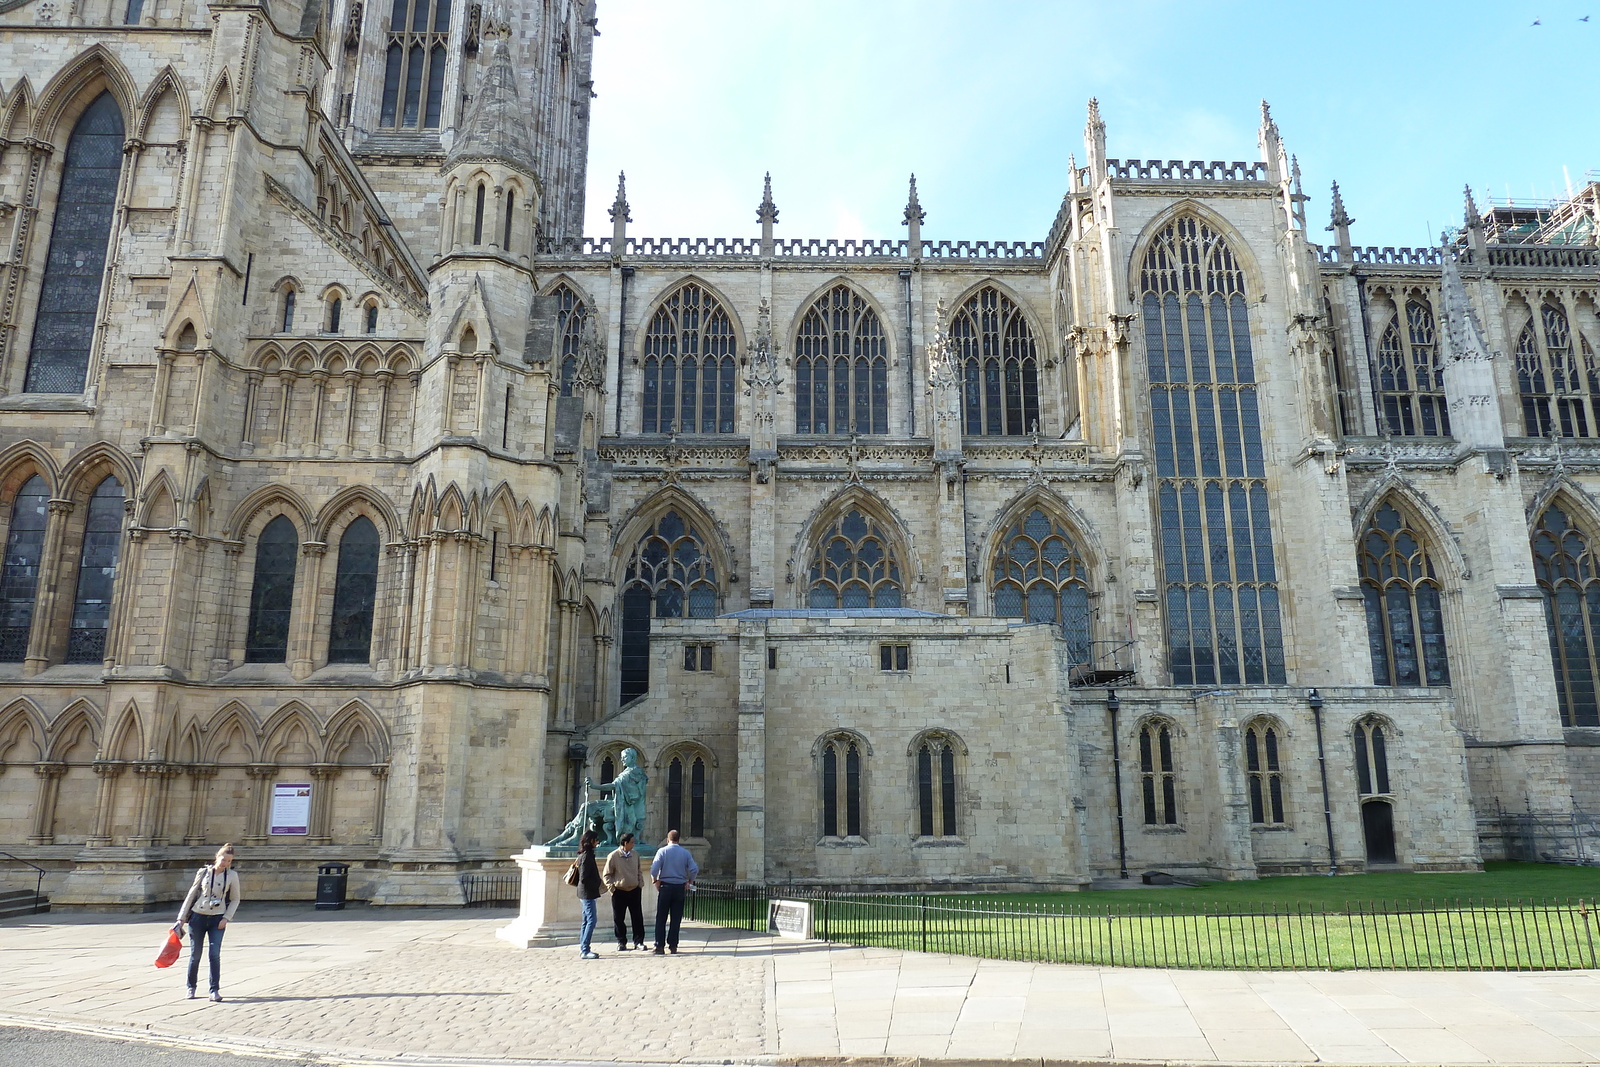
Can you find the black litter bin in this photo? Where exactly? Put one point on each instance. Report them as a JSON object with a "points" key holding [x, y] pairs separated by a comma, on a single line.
{"points": [[332, 880]]}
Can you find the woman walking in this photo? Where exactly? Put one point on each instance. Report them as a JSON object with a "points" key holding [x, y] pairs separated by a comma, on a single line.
{"points": [[212, 900], [588, 892]]}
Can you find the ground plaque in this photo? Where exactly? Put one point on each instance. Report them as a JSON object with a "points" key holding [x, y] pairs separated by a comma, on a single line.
{"points": [[789, 918]]}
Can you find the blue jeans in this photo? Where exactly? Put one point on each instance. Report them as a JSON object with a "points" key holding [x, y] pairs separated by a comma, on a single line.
{"points": [[586, 934], [669, 907], [201, 926]]}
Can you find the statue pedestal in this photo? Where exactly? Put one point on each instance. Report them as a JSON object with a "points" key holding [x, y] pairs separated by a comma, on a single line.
{"points": [[550, 908]]}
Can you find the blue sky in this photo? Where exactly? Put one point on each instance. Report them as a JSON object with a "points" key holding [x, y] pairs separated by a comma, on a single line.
{"points": [[1402, 103]]}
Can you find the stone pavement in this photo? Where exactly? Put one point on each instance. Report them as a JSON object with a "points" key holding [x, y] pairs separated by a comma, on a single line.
{"points": [[435, 986]]}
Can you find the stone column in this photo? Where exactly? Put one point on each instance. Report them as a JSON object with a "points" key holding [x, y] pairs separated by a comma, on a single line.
{"points": [[261, 775], [50, 588], [750, 818], [152, 789], [568, 666], [44, 810], [380, 771], [466, 620], [602, 664], [108, 771], [303, 638], [352, 383], [158, 416], [200, 777], [385, 380], [323, 776], [319, 398], [538, 629], [252, 394]]}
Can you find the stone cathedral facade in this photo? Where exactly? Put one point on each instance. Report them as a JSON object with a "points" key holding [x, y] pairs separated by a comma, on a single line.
{"points": [[355, 504]]}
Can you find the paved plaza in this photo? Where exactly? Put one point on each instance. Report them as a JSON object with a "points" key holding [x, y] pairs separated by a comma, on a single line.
{"points": [[437, 987]]}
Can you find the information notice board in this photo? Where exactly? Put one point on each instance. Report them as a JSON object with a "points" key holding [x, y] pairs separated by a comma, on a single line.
{"points": [[291, 808]]}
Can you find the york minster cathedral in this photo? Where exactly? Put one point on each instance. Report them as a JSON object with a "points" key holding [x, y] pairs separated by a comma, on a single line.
{"points": [[357, 505]]}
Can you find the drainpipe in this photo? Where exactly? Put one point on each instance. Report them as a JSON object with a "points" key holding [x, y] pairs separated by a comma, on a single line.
{"points": [[911, 372], [1113, 705], [1314, 699]]}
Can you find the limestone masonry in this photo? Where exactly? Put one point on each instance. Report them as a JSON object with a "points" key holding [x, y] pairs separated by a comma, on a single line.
{"points": [[356, 505]]}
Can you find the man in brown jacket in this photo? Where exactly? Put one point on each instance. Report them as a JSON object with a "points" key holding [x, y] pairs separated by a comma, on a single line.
{"points": [[622, 877]]}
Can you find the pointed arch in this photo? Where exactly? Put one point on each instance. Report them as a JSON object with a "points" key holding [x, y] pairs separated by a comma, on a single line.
{"points": [[1563, 537], [689, 354], [158, 502], [344, 505], [280, 730], [165, 102], [637, 523], [995, 341], [21, 721], [219, 97], [126, 741], [353, 725], [88, 468], [842, 350], [1037, 570], [1403, 593], [858, 498], [76, 724], [252, 512], [76, 85], [451, 511], [1392, 486], [544, 528], [232, 721], [17, 110], [1244, 259], [1070, 516], [22, 461]]}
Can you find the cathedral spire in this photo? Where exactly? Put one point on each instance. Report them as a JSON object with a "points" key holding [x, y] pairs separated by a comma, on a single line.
{"points": [[913, 220], [767, 215], [495, 126], [619, 216], [1094, 142], [1339, 223]]}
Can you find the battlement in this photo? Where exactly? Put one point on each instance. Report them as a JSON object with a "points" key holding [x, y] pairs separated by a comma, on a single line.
{"points": [[791, 248], [1177, 170]]}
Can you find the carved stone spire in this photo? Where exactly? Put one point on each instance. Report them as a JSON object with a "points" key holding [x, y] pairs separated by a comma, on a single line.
{"points": [[619, 216], [1271, 144], [1094, 142], [1474, 227], [913, 220], [1339, 223], [495, 127], [767, 215], [1297, 195], [1468, 363]]}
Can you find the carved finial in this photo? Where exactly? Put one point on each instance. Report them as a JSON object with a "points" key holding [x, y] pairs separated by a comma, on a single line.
{"points": [[1339, 217], [767, 212], [1094, 113], [1094, 143], [914, 212], [1472, 216], [1266, 115], [619, 206]]}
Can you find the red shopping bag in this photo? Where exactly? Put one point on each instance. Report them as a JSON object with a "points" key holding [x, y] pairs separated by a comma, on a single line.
{"points": [[171, 950]]}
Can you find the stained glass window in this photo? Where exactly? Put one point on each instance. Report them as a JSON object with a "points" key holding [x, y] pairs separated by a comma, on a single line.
{"points": [[1559, 382], [841, 367], [689, 365], [669, 576], [999, 367], [75, 265], [272, 593], [1564, 561], [841, 787], [418, 33], [19, 577], [355, 591], [1224, 623], [855, 566], [1157, 778], [1263, 766], [936, 787], [1039, 576], [1410, 376], [97, 571], [1405, 618], [570, 314]]}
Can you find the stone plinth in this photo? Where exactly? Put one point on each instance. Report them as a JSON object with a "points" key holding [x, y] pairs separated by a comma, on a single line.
{"points": [[550, 907]]}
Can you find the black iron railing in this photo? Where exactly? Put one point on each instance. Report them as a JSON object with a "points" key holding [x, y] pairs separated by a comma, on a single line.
{"points": [[492, 889], [1488, 935], [38, 880]]}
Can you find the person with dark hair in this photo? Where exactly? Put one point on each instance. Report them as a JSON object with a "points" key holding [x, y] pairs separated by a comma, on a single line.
{"points": [[623, 877], [673, 871], [588, 892], [210, 905]]}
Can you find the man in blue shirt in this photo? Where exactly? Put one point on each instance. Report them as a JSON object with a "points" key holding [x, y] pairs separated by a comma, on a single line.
{"points": [[673, 871]]}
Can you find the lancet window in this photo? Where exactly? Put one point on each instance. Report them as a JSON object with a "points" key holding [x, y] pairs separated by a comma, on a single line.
{"points": [[855, 566], [669, 576], [686, 794], [1039, 576], [1263, 768], [1158, 780], [1410, 376], [272, 592], [97, 571], [1405, 617], [999, 366], [355, 591], [1559, 382], [936, 787], [1372, 758], [414, 64], [689, 365], [841, 367], [841, 786], [571, 312], [1564, 561], [19, 576], [75, 265], [1223, 617]]}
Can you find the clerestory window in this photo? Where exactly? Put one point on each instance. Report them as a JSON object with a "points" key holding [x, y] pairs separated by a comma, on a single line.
{"points": [[1569, 576], [414, 64], [19, 577], [999, 366], [841, 367], [689, 365], [570, 314], [355, 591], [97, 571], [272, 592], [1559, 382], [1410, 376]]}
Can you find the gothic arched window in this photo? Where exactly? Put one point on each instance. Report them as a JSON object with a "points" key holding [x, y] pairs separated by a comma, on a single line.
{"points": [[97, 571], [689, 368], [571, 312], [1559, 382], [286, 325], [1224, 623], [75, 266], [669, 576], [1158, 780], [1564, 561], [936, 787], [1263, 768], [19, 577], [855, 566], [1404, 612], [686, 793], [999, 367], [1410, 377], [1372, 758], [841, 786], [355, 591], [1039, 576], [272, 592], [841, 367], [419, 31]]}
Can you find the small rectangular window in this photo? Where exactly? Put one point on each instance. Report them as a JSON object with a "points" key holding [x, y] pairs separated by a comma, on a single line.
{"points": [[894, 657], [697, 657], [772, 659]]}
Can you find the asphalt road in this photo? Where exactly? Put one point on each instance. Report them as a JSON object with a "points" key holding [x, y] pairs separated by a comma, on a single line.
{"points": [[22, 1047]]}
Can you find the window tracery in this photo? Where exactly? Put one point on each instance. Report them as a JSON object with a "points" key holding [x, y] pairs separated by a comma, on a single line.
{"points": [[419, 31], [1223, 616], [841, 367], [841, 786], [571, 312], [19, 576], [272, 592], [1564, 563], [855, 566], [1372, 758], [999, 366], [1158, 779], [1039, 575], [97, 569], [936, 787], [1560, 386], [1405, 617], [75, 265], [1264, 773], [689, 365], [1410, 376], [669, 576]]}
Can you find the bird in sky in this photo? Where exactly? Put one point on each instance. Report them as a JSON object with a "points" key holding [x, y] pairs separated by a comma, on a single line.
{"points": [[1584, 19], [1535, 22]]}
